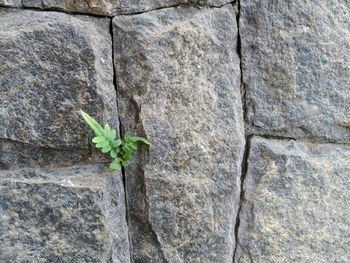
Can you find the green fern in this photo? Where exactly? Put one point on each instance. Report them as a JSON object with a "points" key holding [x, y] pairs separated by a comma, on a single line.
{"points": [[118, 149]]}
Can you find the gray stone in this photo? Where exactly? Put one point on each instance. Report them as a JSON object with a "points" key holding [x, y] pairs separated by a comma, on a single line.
{"points": [[296, 57], [74, 214], [178, 79], [114, 7], [296, 203], [53, 65], [11, 3], [98, 7], [15, 155], [138, 6]]}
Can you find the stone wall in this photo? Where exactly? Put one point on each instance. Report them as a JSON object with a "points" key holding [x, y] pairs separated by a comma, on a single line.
{"points": [[247, 108]]}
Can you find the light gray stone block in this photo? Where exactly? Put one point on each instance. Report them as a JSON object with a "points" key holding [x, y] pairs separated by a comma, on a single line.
{"points": [[178, 80], [296, 203], [295, 58], [53, 65], [74, 214]]}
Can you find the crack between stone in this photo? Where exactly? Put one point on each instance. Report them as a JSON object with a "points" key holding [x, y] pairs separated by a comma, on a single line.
{"points": [[120, 129], [244, 164], [45, 147], [300, 139], [144, 221], [199, 6], [244, 170], [55, 9]]}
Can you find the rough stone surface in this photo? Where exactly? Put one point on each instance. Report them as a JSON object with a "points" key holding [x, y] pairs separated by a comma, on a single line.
{"points": [[113, 7], [296, 67], [74, 214], [97, 7], [53, 65], [178, 80], [296, 203], [11, 3], [15, 155]]}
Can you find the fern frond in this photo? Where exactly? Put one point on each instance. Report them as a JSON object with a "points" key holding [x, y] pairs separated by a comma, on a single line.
{"points": [[92, 123], [120, 150]]}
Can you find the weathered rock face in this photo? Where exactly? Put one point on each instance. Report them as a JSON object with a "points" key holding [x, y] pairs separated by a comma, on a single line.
{"points": [[10, 3], [74, 214], [296, 57], [178, 81], [53, 65], [296, 203], [114, 7], [15, 155], [103, 7]]}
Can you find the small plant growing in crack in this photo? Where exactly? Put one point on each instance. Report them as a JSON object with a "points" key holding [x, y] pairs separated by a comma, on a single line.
{"points": [[118, 149]]}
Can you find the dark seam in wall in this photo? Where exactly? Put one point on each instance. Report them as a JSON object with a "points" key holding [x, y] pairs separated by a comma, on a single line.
{"points": [[244, 164], [120, 129], [46, 147], [244, 170], [299, 139], [52, 9], [198, 6], [55, 9]]}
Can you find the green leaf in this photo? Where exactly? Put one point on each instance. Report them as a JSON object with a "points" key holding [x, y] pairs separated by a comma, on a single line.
{"points": [[127, 136], [126, 156], [124, 163], [92, 123], [98, 139], [102, 144], [116, 143], [113, 154], [139, 139], [127, 148], [115, 166], [112, 134], [106, 149], [121, 149], [133, 145], [107, 128], [106, 134]]}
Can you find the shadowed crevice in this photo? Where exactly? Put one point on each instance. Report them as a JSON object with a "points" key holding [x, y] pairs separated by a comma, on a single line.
{"points": [[244, 165], [244, 169], [53, 9], [120, 132], [125, 13], [300, 139]]}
